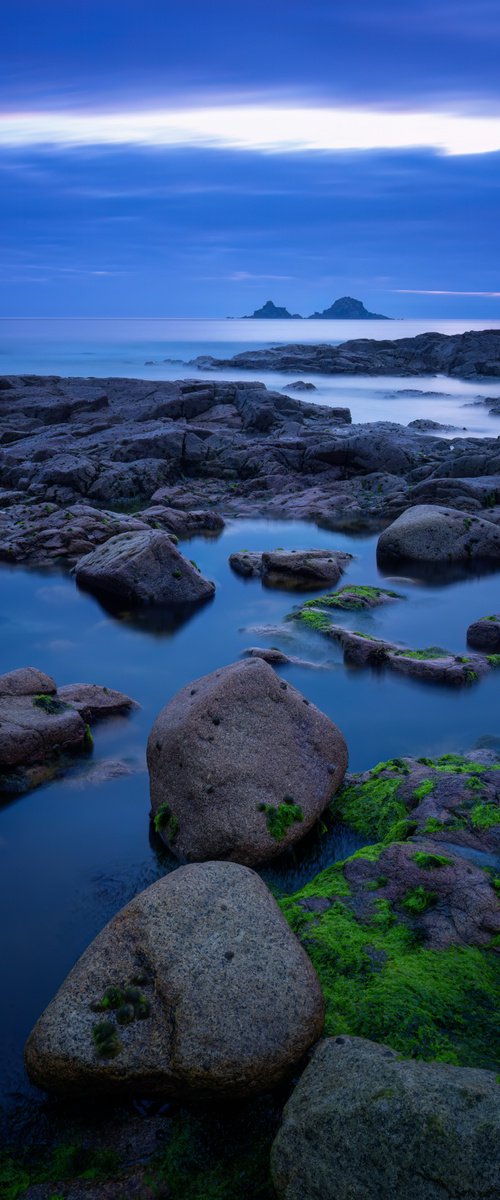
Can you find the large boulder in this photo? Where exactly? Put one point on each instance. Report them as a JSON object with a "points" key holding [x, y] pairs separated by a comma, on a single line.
{"points": [[143, 568], [364, 1125], [431, 533], [241, 765], [306, 569], [26, 681], [197, 987]]}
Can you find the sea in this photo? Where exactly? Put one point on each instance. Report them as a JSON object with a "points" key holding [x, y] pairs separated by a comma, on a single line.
{"points": [[163, 348]]}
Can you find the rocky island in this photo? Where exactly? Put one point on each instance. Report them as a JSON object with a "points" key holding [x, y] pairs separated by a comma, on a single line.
{"points": [[344, 309]]}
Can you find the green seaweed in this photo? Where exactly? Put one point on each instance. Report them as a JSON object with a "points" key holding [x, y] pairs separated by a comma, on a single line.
{"points": [[206, 1159], [165, 821], [381, 982], [485, 816], [493, 659], [49, 704], [424, 789], [430, 862], [418, 899], [106, 1039], [429, 652], [281, 817], [371, 807]]}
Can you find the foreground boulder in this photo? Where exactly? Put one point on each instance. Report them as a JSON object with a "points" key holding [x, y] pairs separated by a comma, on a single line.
{"points": [[291, 568], [362, 1123], [241, 765], [197, 986], [143, 568], [42, 729], [430, 533], [484, 634]]}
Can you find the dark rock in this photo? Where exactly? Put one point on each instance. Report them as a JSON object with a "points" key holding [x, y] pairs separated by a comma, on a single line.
{"points": [[94, 702], [431, 533], [270, 311], [255, 765], [226, 1001], [364, 1123], [484, 634], [347, 309], [291, 568], [144, 568]]}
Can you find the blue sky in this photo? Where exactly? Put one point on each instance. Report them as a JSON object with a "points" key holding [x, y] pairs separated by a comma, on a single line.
{"points": [[198, 158]]}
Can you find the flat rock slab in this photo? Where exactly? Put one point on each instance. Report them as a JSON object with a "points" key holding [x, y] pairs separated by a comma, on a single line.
{"points": [[484, 634], [211, 995], [143, 568], [430, 664], [351, 599], [431, 533], [241, 765], [292, 568], [94, 702], [364, 1123]]}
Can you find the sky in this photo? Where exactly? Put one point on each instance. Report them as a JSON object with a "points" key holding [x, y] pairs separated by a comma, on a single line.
{"points": [[198, 157]]}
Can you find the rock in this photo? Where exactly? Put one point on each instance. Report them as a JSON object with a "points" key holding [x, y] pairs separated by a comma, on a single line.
{"points": [[430, 533], [255, 765], [347, 309], [425, 425], [270, 655], [144, 568], [94, 702], [349, 598], [224, 1001], [364, 1123], [270, 311], [301, 385], [291, 568], [438, 666], [132, 1184], [464, 355], [26, 681], [484, 634], [183, 524]]}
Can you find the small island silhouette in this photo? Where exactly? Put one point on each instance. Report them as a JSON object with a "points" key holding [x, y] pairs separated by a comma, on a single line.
{"points": [[344, 309]]}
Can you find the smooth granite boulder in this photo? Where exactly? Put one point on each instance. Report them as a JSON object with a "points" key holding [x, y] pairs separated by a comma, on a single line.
{"points": [[241, 765], [362, 1124], [26, 681], [431, 533], [197, 987], [305, 569], [143, 568]]}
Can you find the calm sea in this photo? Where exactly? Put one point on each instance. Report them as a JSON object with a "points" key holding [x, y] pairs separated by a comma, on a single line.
{"points": [[160, 348]]}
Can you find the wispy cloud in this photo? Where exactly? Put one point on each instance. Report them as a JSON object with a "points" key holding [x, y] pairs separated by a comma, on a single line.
{"points": [[256, 127], [441, 292]]}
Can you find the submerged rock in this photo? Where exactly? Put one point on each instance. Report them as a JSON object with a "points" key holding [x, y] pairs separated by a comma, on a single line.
{"points": [[484, 634], [363, 1123], [197, 987], [431, 533], [143, 568], [94, 702], [292, 568], [241, 765]]}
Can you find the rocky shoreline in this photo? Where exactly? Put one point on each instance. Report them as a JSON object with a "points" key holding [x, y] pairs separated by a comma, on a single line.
{"points": [[362, 1009]]}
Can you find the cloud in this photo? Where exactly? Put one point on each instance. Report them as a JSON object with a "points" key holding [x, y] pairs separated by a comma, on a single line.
{"points": [[441, 292], [256, 127]]}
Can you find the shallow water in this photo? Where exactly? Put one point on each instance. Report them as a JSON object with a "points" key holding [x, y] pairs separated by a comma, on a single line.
{"points": [[144, 349], [73, 852]]}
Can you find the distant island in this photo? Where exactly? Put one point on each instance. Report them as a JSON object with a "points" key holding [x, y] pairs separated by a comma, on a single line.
{"points": [[344, 309]]}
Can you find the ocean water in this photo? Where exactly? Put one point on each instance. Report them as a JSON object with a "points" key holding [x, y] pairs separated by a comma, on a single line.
{"points": [[162, 349]]}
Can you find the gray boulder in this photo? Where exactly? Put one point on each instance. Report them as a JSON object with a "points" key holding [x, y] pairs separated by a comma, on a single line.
{"points": [[484, 634], [241, 765], [431, 533], [94, 702], [197, 987], [364, 1125], [26, 681], [144, 568], [292, 568]]}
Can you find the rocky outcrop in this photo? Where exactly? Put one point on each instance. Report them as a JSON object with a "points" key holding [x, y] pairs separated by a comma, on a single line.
{"points": [[347, 309], [350, 598], [484, 634], [464, 355], [305, 569], [241, 765], [364, 1122], [431, 533], [143, 568], [198, 987], [273, 312], [42, 729]]}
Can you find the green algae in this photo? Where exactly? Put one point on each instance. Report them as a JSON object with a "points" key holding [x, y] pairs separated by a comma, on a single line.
{"points": [[493, 659], [485, 816], [424, 789], [431, 862], [371, 807], [165, 821], [217, 1159], [313, 619], [429, 652], [419, 899], [381, 982], [350, 598], [65, 1163], [49, 704], [281, 817]]}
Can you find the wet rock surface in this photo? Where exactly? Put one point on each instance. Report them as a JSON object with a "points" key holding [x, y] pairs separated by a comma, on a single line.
{"points": [[484, 634], [189, 453], [291, 568], [431, 533], [43, 729], [364, 1123], [143, 567], [201, 987], [241, 765]]}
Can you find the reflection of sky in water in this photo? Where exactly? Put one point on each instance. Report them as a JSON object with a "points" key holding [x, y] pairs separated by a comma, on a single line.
{"points": [[71, 855]]}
